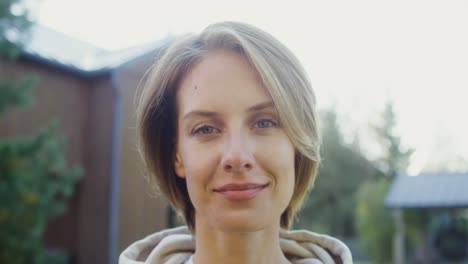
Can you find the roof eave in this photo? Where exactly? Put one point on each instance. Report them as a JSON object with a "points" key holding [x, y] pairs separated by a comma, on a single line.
{"points": [[66, 67]]}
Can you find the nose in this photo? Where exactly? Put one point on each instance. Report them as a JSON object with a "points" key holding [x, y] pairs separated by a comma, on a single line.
{"points": [[237, 154]]}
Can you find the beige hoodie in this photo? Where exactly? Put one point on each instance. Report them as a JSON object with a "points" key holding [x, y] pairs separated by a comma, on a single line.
{"points": [[175, 246]]}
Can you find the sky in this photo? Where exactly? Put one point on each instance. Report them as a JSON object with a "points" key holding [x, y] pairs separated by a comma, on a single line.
{"points": [[359, 54]]}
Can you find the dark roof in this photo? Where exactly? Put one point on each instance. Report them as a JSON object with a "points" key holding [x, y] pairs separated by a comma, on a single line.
{"points": [[62, 51], [429, 190]]}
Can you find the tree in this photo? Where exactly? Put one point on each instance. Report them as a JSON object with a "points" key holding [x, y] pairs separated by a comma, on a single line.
{"points": [[395, 157], [330, 206], [35, 182], [374, 221], [14, 27]]}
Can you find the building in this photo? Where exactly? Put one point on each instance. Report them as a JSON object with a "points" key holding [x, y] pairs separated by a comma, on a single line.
{"points": [[441, 192], [91, 91]]}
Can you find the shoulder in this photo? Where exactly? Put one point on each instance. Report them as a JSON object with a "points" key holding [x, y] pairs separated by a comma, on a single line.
{"points": [[166, 246], [303, 245]]}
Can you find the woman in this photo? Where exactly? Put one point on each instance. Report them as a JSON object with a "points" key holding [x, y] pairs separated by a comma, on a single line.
{"points": [[228, 130]]}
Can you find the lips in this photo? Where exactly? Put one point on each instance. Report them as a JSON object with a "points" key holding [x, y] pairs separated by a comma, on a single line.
{"points": [[240, 191]]}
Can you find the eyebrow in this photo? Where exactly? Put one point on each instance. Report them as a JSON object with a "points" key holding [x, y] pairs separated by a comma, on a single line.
{"points": [[261, 106], [203, 113], [200, 113]]}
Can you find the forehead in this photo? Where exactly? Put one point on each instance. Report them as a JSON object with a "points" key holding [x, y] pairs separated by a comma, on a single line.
{"points": [[222, 79]]}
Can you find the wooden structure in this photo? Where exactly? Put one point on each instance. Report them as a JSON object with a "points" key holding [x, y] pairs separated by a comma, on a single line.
{"points": [[428, 191], [91, 93]]}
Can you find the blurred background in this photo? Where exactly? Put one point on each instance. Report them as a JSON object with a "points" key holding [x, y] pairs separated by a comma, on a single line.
{"points": [[392, 88]]}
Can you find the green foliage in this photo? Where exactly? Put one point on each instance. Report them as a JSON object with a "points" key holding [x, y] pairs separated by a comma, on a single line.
{"points": [[35, 183], [14, 26], [451, 236], [330, 207], [16, 92], [395, 158], [374, 221]]}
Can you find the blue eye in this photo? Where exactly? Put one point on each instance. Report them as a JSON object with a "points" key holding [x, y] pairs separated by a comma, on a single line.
{"points": [[264, 123], [204, 130]]}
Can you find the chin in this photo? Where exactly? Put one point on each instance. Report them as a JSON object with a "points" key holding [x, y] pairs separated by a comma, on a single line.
{"points": [[238, 222]]}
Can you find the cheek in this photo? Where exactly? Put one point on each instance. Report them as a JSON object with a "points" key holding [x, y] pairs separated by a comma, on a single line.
{"points": [[199, 163], [287, 179], [199, 170], [282, 152], [278, 158], [287, 160]]}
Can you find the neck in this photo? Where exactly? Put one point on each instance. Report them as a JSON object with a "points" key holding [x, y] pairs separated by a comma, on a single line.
{"points": [[219, 246]]}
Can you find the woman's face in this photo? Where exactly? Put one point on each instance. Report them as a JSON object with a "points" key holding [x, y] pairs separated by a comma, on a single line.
{"points": [[236, 158]]}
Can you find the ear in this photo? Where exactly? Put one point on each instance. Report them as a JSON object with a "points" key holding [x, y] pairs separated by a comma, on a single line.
{"points": [[179, 166]]}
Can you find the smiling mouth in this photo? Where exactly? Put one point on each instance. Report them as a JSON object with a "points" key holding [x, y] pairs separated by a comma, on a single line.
{"points": [[240, 192]]}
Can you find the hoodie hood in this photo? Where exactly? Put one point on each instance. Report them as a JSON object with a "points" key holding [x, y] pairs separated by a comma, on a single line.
{"points": [[177, 245]]}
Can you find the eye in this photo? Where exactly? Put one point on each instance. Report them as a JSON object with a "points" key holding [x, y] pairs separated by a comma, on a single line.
{"points": [[264, 123], [204, 130]]}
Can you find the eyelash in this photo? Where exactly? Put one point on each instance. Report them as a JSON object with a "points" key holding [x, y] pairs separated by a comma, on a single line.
{"points": [[272, 123], [199, 130]]}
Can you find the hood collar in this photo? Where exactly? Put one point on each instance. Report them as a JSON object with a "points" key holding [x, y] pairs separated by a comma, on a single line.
{"points": [[176, 245]]}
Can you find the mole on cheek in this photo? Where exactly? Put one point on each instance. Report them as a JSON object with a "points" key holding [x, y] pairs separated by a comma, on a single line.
{"points": [[196, 87]]}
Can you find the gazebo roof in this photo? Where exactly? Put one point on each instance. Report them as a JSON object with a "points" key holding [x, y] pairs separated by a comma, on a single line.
{"points": [[429, 191]]}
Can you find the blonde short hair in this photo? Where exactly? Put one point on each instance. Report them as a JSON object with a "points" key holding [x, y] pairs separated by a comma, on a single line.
{"points": [[284, 79]]}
